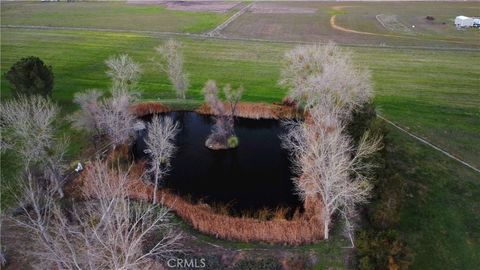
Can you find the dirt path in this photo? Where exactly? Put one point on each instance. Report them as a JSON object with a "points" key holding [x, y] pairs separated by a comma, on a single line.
{"points": [[216, 31], [347, 30]]}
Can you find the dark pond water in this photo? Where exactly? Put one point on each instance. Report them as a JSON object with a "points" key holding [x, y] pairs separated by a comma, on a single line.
{"points": [[253, 176]]}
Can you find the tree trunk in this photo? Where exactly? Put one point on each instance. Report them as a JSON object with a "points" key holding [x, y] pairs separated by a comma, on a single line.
{"points": [[326, 224], [155, 190]]}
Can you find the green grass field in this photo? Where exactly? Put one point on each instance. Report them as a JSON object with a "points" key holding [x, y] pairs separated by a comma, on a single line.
{"points": [[111, 15], [433, 93]]}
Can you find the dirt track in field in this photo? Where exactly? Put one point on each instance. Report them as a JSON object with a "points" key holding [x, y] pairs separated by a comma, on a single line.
{"points": [[347, 30]]}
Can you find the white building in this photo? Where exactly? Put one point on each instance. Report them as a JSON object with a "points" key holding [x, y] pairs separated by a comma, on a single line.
{"points": [[463, 21], [476, 22]]}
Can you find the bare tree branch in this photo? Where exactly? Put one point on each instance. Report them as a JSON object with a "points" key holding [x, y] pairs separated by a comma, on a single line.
{"points": [[325, 75], [28, 130], [326, 163], [116, 121], [172, 64], [160, 148], [123, 71], [224, 128], [107, 232]]}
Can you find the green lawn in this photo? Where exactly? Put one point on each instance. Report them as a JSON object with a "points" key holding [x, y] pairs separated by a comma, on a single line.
{"points": [[109, 14], [433, 93]]}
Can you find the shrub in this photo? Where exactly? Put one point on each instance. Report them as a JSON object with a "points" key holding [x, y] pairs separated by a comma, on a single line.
{"points": [[232, 141], [384, 250], [30, 76], [361, 121]]}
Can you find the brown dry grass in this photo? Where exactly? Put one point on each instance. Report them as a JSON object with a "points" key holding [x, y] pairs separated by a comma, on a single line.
{"points": [[256, 110], [146, 108], [301, 229], [244, 109]]}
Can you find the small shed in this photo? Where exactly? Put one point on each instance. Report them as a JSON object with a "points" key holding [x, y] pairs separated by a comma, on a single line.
{"points": [[463, 21]]}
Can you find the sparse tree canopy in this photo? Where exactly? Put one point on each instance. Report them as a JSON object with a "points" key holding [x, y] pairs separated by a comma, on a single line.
{"points": [[110, 232], [28, 130], [110, 117], [326, 163], [116, 120], [326, 75], [30, 76], [223, 131], [124, 72], [27, 127], [88, 118], [160, 148], [172, 64]]}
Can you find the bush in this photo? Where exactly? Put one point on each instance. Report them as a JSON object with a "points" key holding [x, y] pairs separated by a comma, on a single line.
{"points": [[232, 141], [361, 120], [384, 250], [30, 76]]}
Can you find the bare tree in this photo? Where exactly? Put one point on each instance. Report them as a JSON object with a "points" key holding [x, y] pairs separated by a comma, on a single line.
{"points": [[326, 75], [232, 96], [110, 116], [160, 148], [117, 121], [108, 232], [123, 71], [327, 165], [223, 130], [27, 127], [28, 130], [89, 116], [172, 64]]}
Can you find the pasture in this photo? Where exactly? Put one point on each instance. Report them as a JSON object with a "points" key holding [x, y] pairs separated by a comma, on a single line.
{"points": [[110, 15], [434, 93]]}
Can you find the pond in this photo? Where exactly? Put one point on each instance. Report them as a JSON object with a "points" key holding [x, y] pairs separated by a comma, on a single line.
{"points": [[252, 176]]}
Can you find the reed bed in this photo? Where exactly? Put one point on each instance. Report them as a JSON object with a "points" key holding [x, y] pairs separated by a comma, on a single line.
{"points": [[256, 110], [301, 229], [146, 108], [243, 109]]}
